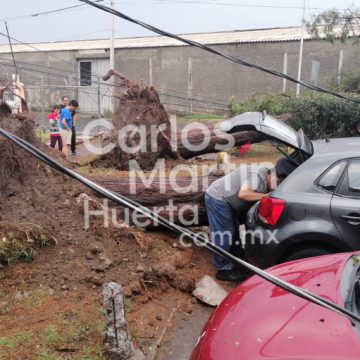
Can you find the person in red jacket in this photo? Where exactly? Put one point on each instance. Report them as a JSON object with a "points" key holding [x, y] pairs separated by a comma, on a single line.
{"points": [[54, 119]]}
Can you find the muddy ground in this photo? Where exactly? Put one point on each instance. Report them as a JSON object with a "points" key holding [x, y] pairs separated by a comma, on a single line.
{"points": [[51, 303]]}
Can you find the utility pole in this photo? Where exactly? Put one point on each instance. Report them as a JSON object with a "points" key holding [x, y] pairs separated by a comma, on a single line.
{"points": [[112, 52], [301, 49], [98, 97]]}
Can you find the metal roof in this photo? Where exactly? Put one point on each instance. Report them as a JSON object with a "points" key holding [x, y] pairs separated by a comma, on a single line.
{"points": [[214, 38]]}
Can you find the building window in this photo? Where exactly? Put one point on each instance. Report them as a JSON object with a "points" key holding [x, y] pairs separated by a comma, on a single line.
{"points": [[85, 73]]}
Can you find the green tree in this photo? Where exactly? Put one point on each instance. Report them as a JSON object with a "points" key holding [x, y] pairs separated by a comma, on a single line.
{"points": [[319, 114], [335, 24]]}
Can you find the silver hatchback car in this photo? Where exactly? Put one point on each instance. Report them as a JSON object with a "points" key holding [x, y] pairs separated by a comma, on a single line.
{"points": [[316, 208]]}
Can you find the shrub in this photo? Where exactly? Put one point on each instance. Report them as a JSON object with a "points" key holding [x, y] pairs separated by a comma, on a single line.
{"points": [[19, 242], [272, 103], [350, 81], [317, 114], [321, 114]]}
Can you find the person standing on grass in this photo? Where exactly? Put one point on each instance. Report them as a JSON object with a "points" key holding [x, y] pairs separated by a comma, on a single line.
{"points": [[54, 119], [66, 123]]}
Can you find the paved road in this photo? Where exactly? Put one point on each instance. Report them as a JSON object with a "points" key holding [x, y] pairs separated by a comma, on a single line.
{"points": [[180, 341], [42, 121]]}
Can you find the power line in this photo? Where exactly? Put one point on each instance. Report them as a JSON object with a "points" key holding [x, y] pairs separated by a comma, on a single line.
{"points": [[196, 238], [164, 94], [197, 2], [216, 52], [162, 2], [11, 48], [46, 52], [240, 5], [45, 12]]}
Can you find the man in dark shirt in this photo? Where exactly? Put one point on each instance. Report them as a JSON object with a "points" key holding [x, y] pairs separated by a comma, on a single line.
{"points": [[227, 202]]}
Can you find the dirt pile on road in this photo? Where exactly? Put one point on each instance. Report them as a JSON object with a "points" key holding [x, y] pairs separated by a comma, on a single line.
{"points": [[56, 292], [14, 163], [141, 124]]}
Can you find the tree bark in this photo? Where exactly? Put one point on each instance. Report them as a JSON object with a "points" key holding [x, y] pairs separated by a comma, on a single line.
{"points": [[163, 197], [212, 141]]}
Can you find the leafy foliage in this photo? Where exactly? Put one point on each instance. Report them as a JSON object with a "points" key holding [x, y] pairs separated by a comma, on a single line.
{"points": [[334, 24], [317, 114], [350, 81], [320, 114], [19, 242], [272, 103]]}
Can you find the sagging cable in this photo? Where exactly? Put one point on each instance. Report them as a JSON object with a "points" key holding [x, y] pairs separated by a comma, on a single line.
{"points": [[196, 238], [145, 211], [224, 55]]}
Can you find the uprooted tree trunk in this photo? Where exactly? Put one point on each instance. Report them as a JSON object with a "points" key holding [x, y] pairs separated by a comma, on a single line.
{"points": [[144, 131], [212, 140], [139, 114], [180, 200]]}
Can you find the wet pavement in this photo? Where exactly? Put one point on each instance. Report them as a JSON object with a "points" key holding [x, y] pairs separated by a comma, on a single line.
{"points": [[43, 123], [180, 341]]}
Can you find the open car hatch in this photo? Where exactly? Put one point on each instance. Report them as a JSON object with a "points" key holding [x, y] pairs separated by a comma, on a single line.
{"points": [[271, 128]]}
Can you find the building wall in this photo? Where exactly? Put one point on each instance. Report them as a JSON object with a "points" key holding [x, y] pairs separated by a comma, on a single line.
{"points": [[180, 73], [218, 79], [47, 76]]}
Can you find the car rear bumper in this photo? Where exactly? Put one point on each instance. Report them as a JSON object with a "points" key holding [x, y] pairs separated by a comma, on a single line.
{"points": [[263, 243]]}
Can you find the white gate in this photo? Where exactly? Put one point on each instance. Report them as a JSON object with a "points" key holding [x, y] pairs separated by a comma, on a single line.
{"points": [[94, 94]]}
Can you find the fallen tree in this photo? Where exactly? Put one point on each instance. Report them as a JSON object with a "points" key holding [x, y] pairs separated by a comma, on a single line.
{"points": [[139, 114], [143, 132], [212, 140], [180, 200]]}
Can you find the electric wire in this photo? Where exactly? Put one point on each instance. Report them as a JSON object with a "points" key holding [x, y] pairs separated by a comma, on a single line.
{"points": [[45, 12], [196, 238], [43, 72], [216, 52]]}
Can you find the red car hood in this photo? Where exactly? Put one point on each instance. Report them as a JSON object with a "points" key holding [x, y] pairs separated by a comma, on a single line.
{"points": [[261, 321]]}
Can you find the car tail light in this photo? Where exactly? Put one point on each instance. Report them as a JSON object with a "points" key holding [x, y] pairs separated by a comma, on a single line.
{"points": [[270, 210]]}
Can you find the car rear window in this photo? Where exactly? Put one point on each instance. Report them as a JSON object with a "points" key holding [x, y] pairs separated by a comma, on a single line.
{"points": [[329, 180]]}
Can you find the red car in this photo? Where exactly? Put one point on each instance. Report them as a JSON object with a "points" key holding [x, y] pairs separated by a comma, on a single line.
{"points": [[258, 320]]}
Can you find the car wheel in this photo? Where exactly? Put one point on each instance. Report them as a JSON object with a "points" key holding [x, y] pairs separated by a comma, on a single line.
{"points": [[307, 252]]}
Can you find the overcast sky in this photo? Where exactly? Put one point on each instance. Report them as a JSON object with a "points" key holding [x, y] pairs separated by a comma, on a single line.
{"points": [[177, 16]]}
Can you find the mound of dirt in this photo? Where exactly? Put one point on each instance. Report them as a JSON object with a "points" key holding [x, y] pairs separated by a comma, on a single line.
{"points": [[14, 163], [140, 123], [61, 284]]}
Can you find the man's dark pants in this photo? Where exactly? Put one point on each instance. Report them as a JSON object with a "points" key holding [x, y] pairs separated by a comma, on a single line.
{"points": [[224, 227], [73, 139]]}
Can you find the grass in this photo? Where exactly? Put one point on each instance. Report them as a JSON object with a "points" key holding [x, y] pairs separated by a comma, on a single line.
{"points": [[202, 117], [258, 150], [128, 303], [66, 332], [87, 353], [19, 242], [10, 343], [107, 114], [51, 335], [99, 171], [37, 297], [47, 354], [72, 334], [44, 136]]}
